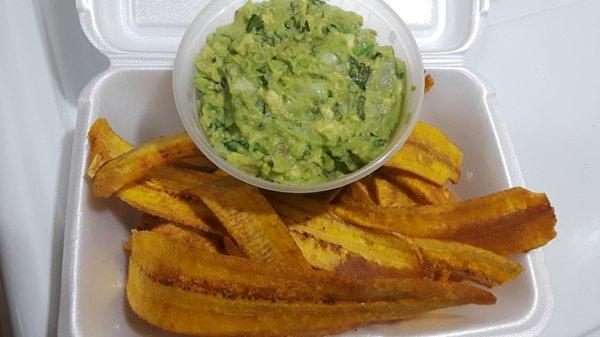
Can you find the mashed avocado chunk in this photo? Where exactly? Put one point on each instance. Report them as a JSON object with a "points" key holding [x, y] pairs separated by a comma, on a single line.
{"points": [[297, 92]]}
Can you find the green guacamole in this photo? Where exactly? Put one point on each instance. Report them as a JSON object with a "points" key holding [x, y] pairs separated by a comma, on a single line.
{"points": [[297, 92]]}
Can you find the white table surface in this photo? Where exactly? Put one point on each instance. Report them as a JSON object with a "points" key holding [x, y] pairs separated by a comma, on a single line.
{"points": [[542, 56]]}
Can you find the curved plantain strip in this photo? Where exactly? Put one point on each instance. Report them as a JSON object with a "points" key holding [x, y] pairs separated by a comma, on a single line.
{"points": [[487, 222], [181, 310], [149, 198], [356, 193], [429, 154], [468, 262], [105, 145], [388, 194], [229, 276], [133, 165], [382, 249], [251, 221], [425, 192], [188, 236]]}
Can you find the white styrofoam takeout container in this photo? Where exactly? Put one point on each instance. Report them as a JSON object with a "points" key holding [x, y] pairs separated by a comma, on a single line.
{"points": [[141, 37], [392, 31]]}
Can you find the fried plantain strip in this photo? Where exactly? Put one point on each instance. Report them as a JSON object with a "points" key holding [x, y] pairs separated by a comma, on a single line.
{"points": [[519, 236], [149, 198], [429, 154], [356, 193], [105, 145], [133, 165], [328, 256], [175, 180], [380, 248], [482, 222], [290, 215], [425, 192], [156, 195], [463, 261], [188, 236], [178, 309], [234, 277], [389, 194], [251, 221]]}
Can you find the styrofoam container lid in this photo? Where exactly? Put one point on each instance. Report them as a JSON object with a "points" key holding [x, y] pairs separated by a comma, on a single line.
{"points": [[150, 30]]}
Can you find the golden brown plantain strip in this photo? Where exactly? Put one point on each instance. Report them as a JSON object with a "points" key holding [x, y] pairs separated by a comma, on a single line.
{"points": [[151, 199], [425, 192], [290, 215], [234, 277], [356, 193], [429, 83], [177, 179], [328, 256], [188, 236], [389, 194], [383, 249], [158, 196], [429, 154], [517, 237], [133, 165], [251, 221], [105, 145], [180, 310], [482, 222], [309, 206], [463, 261]]}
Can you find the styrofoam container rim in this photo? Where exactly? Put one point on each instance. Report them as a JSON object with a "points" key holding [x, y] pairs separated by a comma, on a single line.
{"points": [[377, 14]]}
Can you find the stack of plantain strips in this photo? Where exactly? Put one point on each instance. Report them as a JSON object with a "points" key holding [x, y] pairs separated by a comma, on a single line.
{"points": [[213, 256]]}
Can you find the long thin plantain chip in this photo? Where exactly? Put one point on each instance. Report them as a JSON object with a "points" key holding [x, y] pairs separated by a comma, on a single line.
{"points": [[465, 262], [429, 154], [389, 194], [133, 165], [328, 256], [188, 236], [150, 198], [487, 222], [251, 221], [309, 206], [177, 308], [159, 193], [230, 276], [380, 248], [105, 145], [425, 192], [289, 214], [356, 193]]}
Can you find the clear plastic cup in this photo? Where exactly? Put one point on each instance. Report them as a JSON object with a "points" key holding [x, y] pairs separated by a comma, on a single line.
{"points": [[391, 30]]}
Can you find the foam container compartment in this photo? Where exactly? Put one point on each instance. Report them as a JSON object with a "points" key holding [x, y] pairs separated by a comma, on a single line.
{"points": [[141, 38]]}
